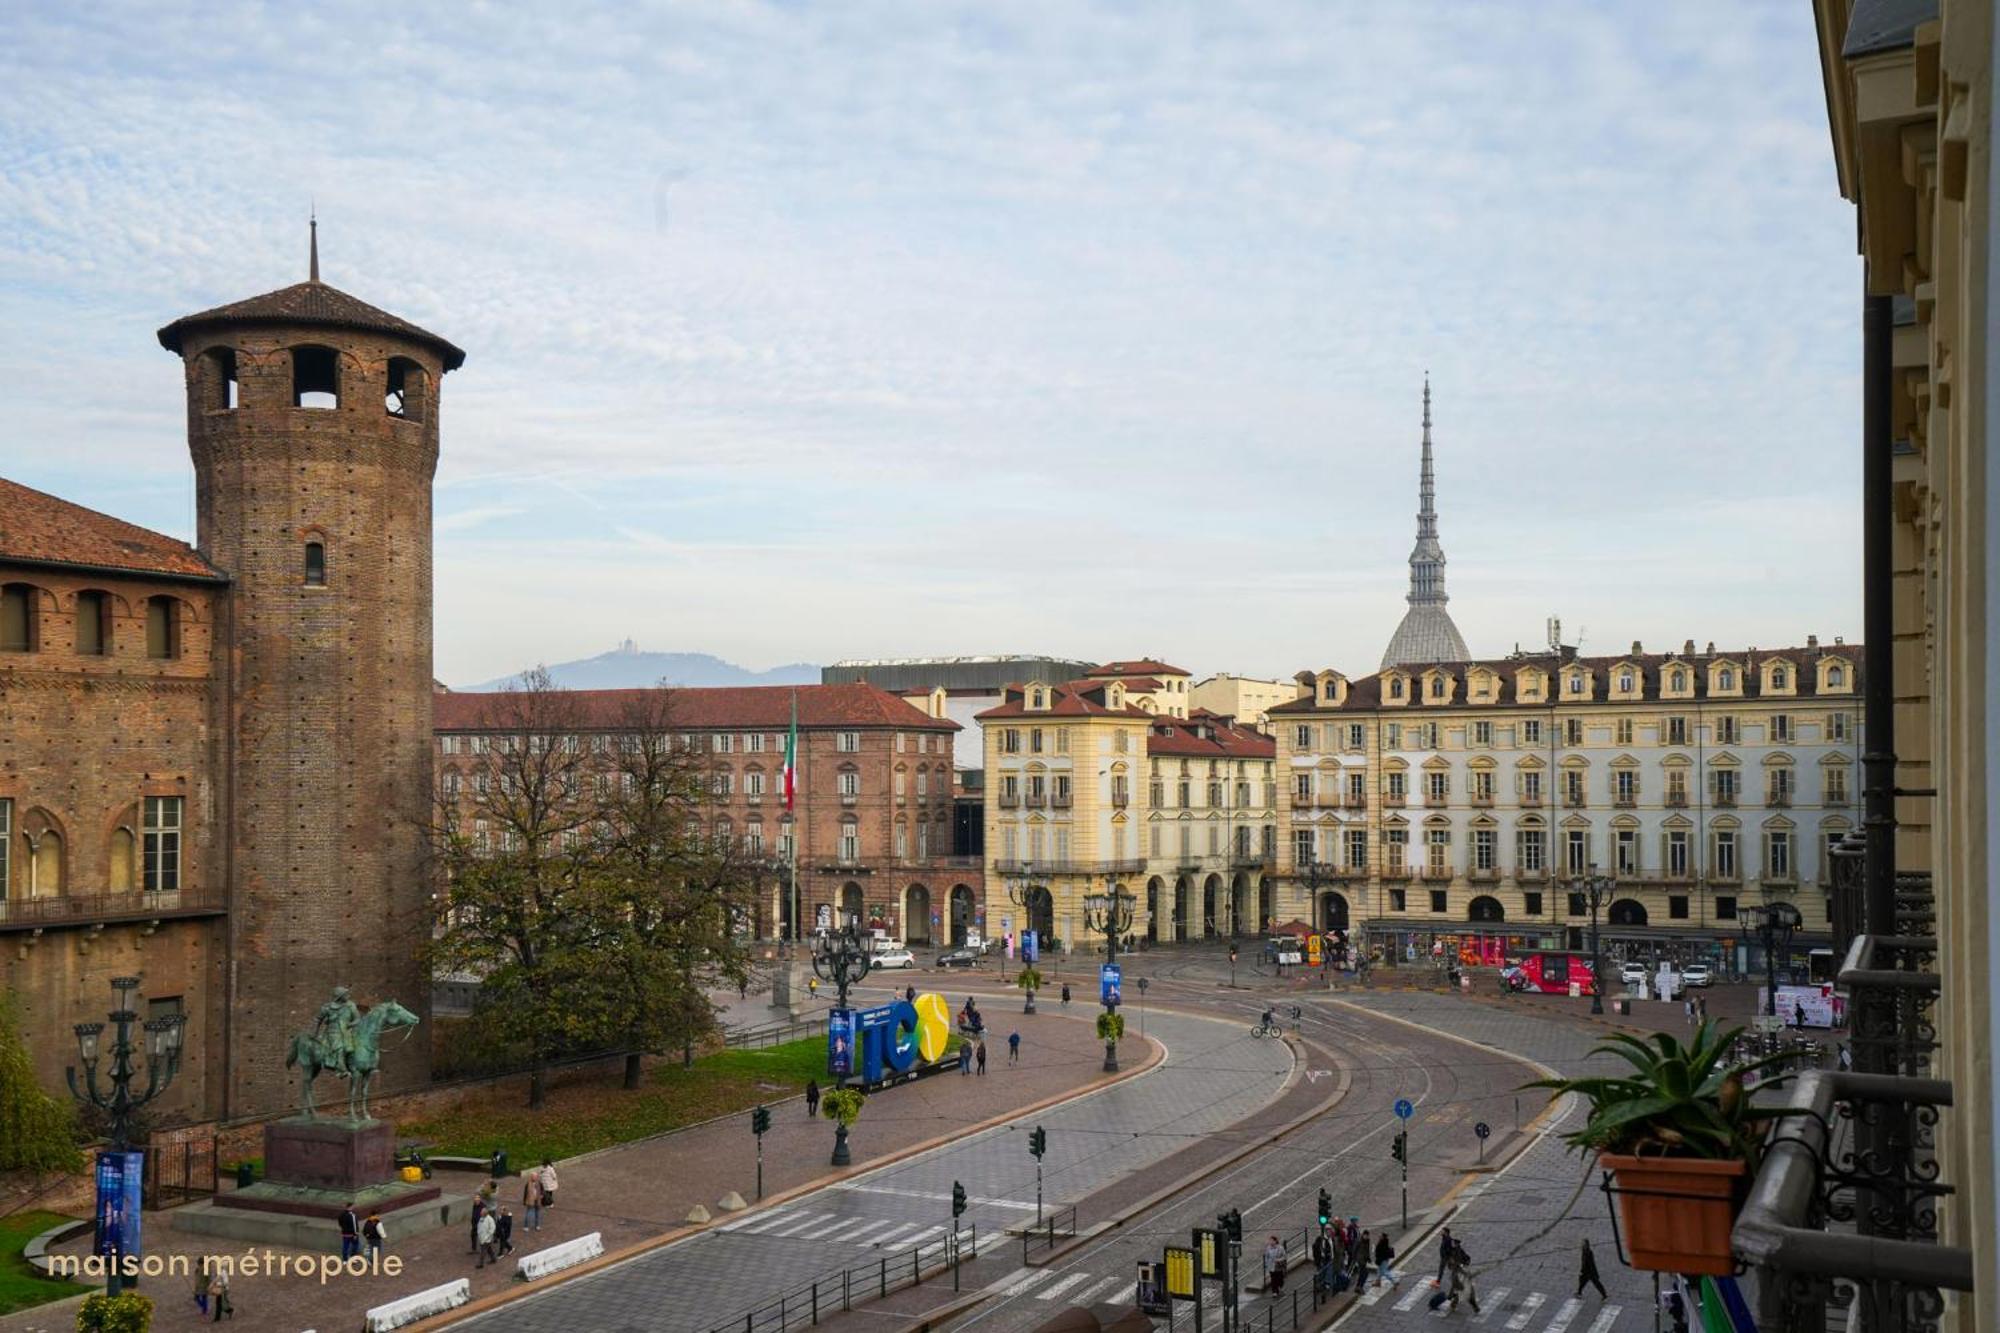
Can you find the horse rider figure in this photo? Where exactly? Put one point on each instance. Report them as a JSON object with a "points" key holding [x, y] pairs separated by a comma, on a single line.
{"points": [[334, 1032]]}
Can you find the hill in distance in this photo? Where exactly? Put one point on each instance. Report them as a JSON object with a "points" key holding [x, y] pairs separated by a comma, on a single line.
{"points": [[625, 667]]}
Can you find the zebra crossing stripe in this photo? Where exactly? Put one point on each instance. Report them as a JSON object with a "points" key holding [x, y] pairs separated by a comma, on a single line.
{"points": [[1532, 1302], [1568, 1312], [1605, 1319], [1374, 1294], [1090, 1294], [885, 1226], [800, 1224], [771, 1222], [1418, 1291], [1021, 1284], [1050, 1293], [1494, 1300]]}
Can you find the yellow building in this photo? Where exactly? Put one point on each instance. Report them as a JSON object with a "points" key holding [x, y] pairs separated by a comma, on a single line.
{"points": [[1452, 800], [1244, 698], [1086, 790]]}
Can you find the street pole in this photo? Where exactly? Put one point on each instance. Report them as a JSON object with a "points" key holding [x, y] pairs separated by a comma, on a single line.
{"points": [[1596, 886]]}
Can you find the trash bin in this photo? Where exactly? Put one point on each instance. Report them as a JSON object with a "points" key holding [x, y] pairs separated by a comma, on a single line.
{"points": [[499, 1163], [246, 1175]]}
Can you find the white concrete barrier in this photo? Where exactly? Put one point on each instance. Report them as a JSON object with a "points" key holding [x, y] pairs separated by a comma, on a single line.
{"points": [[423, 1305], [558, 1257]]}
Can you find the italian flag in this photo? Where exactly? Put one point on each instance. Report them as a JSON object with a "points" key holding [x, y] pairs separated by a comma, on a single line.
{"points": [[792, 755]]}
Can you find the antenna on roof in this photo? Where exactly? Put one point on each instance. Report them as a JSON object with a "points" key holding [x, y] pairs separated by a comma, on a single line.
{"points": [[1555, 628], [312, 225]]}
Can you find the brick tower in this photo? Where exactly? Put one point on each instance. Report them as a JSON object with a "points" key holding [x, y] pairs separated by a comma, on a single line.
{"points": [[313, 422]]}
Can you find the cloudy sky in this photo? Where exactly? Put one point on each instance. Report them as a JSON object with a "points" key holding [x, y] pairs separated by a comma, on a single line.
{"points": [[800, 332]]}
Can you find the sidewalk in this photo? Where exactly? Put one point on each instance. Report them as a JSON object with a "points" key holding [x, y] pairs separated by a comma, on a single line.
{"points": [[638, 1191]]}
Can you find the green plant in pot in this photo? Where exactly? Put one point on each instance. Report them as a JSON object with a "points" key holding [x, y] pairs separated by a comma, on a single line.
{"points": [[843, 1107], [1029, 981], [1680, 1139]]}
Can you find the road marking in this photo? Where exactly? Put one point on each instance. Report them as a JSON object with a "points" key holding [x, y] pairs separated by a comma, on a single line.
{"points": [[928, 1194], [826, 1232], [1563, 1317], [1050, 1293], [1417, 1293], [1021, 1284], [1605, 1319], [799, 1222], [1494, 1299], [758, 1226], [1375, 1293], [886, 1225], [1532, 1302], [1089, 1295]]}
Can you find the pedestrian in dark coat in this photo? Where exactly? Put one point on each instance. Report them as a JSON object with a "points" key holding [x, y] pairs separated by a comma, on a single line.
{"points": [[981, 1057], [1445, 1248], [478, 1211], [1065, 995], [964, 1059], [503, 1231], [1385, 1257], [350, 1232], [1322, 1257], [1586, 1272], [812, 1098], [1013, 1048]]}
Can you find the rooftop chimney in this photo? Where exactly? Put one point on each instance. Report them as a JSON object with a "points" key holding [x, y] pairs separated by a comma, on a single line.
{"points": [[1812, 640], [1687, 649], [1637, 648]]}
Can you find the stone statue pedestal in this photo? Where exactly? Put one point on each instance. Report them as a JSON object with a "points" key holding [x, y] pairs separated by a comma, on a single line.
{"points": [[329, 1154]]}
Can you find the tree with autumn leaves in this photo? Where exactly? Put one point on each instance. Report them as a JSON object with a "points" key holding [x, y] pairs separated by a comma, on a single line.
{"points": [[582, 878]]}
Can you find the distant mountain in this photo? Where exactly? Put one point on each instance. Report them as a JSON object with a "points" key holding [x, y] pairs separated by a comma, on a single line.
{"points": [[625, 667]]}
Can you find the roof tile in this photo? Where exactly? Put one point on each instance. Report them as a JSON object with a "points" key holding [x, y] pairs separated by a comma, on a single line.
{"points": [[40, 527]]}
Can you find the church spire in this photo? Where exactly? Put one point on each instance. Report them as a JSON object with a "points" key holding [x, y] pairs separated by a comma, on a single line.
{"points": [[1427, 633], [313, 226]]}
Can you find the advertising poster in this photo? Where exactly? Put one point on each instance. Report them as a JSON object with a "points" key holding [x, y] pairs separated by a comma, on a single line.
{"points": [[1816, 1001], [1313, 947], [1031, 947], [1109, 978], [840, 1042], [121, 1179]]}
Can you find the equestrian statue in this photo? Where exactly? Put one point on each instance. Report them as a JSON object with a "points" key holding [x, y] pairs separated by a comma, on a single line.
{"points": [[346, 1043]]}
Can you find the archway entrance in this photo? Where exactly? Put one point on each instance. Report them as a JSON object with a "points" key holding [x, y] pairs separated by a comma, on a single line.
{"points": [[964, 906], [1628, 912], [1332, 911], [1239, 904], [1041, 915], [1211, 903], [1267, 903], [1181, 893], [851, 906], [917, 915], [1486, 908], [1153, 909]]}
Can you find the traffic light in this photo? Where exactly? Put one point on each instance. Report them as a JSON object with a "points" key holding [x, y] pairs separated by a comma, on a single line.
{"points": [[1231, 1223], [1325, 1208], [1038, 1141], [1400, 1150], [760, 1119], [957, 1199]]}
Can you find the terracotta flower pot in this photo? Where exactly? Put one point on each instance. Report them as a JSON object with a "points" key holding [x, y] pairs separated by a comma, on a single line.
{"points": [[1677, 1212]]}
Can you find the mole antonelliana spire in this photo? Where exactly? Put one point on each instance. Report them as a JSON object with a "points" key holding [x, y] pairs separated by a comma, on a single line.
{"points": [[1426, 634]]}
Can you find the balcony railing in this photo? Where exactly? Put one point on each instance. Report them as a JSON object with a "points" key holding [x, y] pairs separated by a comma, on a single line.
{"points": [[1302, 800], [61, 909], [1009, 800], [1842, 1219], [1130, 866], [1036, 800], [1677, 800], [1060, 800], [1484, 873], [1244, 858], [1779, 799], [1725, 800]]}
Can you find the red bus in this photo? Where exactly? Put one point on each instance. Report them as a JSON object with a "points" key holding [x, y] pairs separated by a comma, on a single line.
{"points": [[1550, 974]]}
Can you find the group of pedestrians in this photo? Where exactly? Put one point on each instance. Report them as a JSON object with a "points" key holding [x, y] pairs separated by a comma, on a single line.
{"points": [[1696, 1008], [493, 1222], [354, 1233], [1345, 1255]]}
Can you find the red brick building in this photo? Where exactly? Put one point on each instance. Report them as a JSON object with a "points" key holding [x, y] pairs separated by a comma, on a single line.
{"points": [[215, 762], [870, 833]]}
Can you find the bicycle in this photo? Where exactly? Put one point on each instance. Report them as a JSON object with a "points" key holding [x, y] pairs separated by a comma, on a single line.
{"points": [[1266, 1030]]}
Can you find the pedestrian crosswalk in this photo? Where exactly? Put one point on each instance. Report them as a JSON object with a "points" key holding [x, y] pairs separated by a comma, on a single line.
{"points": [[1496, 1310], [842, 1228]]}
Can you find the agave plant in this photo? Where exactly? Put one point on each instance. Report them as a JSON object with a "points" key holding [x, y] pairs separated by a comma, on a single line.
{"points": [[1681, 1100]]}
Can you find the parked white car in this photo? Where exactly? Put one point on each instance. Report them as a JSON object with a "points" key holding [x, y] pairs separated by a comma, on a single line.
{"points": [[895, 958], [1697, 974], [1632, 974]]}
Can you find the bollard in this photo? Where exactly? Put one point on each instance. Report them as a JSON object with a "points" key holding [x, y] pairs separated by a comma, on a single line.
{"points": [[885, 1275], [815, 1302], [844, 1301]]}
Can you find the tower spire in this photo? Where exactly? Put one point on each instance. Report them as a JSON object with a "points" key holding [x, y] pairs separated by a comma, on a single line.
{"points": [[1427, 633], [1427, 519], [313, 225]]}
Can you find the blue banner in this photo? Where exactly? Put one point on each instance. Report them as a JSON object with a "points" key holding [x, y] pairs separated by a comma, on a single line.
{"points": [[121, 1179], [1030, 947], [1109, 979], [840, 1042]]}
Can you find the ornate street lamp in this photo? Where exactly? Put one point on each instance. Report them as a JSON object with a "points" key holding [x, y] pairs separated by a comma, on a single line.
{"points": [[119, 1103], [1597, 888], [841, 960], [1776, 923], [1110, 912]]}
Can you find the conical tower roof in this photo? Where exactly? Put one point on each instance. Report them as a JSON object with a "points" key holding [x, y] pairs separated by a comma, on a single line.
{"points": [[1427, 633]]}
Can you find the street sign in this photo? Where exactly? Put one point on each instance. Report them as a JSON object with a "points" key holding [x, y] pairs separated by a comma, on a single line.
{"points": [[1404, 1110], [1482, 1129], [1143, 983], [1180, 1272]]}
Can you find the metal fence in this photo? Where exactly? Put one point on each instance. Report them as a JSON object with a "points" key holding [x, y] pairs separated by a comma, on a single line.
{"points": [[805, 1304], [775, 1034], [1060, 1224], [180, 1168], [1292, 1311]]}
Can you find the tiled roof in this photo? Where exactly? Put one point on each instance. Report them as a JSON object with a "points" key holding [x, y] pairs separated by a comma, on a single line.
{"points": [[1077, 698], [1144, 666], [312, 303], [723, 708], [1367, 692], [38, 526], [1223, 739]]}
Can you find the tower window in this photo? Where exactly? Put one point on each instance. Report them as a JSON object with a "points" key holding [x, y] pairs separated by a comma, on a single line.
{"points": [[407, 391], [215, 376], [315, 564], [315, 377], [93, 624], [163, 628], [19, 618]]}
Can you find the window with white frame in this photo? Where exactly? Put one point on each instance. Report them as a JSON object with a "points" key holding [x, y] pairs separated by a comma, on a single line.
{"points": [[849, 742], [753, 783], [1781, 726], [1625, 846], [1531, 731], [722, 742], [1485, 848], [1357, 736], [1677, 853], [1576, 851], [849, 782], [850, 841], [161, 828], [1530, 851], [1778, 853], [1357, 849], [753, 742], [1836, 726], [1395, 850], [1437, 851], [1723, 853], [1531, 786], [1482, 733], [1302, 736]]}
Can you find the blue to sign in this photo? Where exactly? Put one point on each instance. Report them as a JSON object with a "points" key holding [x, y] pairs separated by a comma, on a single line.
{"points": [[1403, 1108], [1110, 983], [1482, 1129]]}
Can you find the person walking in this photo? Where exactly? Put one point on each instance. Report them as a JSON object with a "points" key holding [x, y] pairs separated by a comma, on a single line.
{"points": [[1799, 1017], [910, 994], [1385, 1257], [1461, 1279], [1445, 1247], [374, 1235], [218, 1295], [485, 1234], [964, 1059], [981, 1057], [1013, 1048], [812, 988], [201, 1284], [1065, 995], [531, 1201], [350, 1232], [1586, 1272], [503, 1232], [479, 1210], [1322, 1259], [1274, 1267], [548, 1183]]}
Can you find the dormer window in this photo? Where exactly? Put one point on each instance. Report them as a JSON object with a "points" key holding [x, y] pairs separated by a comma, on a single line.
{"points": [[1395, 687], [1576, 684], [1836, 678], [1625, 682], [1437, 687], [1779, 677], [1679, 680], [1725, 679]]}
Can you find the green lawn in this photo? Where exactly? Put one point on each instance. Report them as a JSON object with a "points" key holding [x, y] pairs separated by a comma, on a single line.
{"points": [[20, 1285]]}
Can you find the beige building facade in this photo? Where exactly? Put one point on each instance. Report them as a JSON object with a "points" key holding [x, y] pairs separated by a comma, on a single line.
{"points": [[1244, 698]]}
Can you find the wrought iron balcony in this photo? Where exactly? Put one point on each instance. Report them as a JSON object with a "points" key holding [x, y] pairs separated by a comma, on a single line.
{"points": [[85, 909]]}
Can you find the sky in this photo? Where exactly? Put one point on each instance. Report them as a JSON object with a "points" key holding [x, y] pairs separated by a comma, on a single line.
{"points": [[805, 332]]}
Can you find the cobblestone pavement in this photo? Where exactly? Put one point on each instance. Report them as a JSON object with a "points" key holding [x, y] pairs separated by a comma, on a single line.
{"points": [[1215, 1075]]}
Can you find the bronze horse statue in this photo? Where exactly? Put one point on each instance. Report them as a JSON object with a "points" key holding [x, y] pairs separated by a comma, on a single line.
{"points": [[307, 1052]]}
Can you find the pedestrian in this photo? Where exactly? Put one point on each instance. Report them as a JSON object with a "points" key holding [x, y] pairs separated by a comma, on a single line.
{"points": [[812, 987], [1444, 1257], [743, 988], [982, 1059], [1274, 1267], [1799, 1017], [1586, 1272], [1357, 1252], [531, 1201], [478, 1211], [218, 1295], [485, 1235], [201, 1283], [910, 994], [1013, 1048], [812, 1098], [548, 1183], [375, 1234], [1322, 1259], [350, 1232], [1461, 1278], [1385, 1258], [964, 1058], [1689, 1007], [504, 1231], [1065, 995]]}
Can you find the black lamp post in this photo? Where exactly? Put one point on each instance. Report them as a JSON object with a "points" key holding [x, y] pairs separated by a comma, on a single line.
{"points": [[841, 959], [163, 1061], [1110, 912], [1597, 888], [1029, 896], [1776, 923]]}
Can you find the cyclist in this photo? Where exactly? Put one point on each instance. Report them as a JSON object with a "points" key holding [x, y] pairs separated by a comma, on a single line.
{"points": [[1269, 1022]]}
